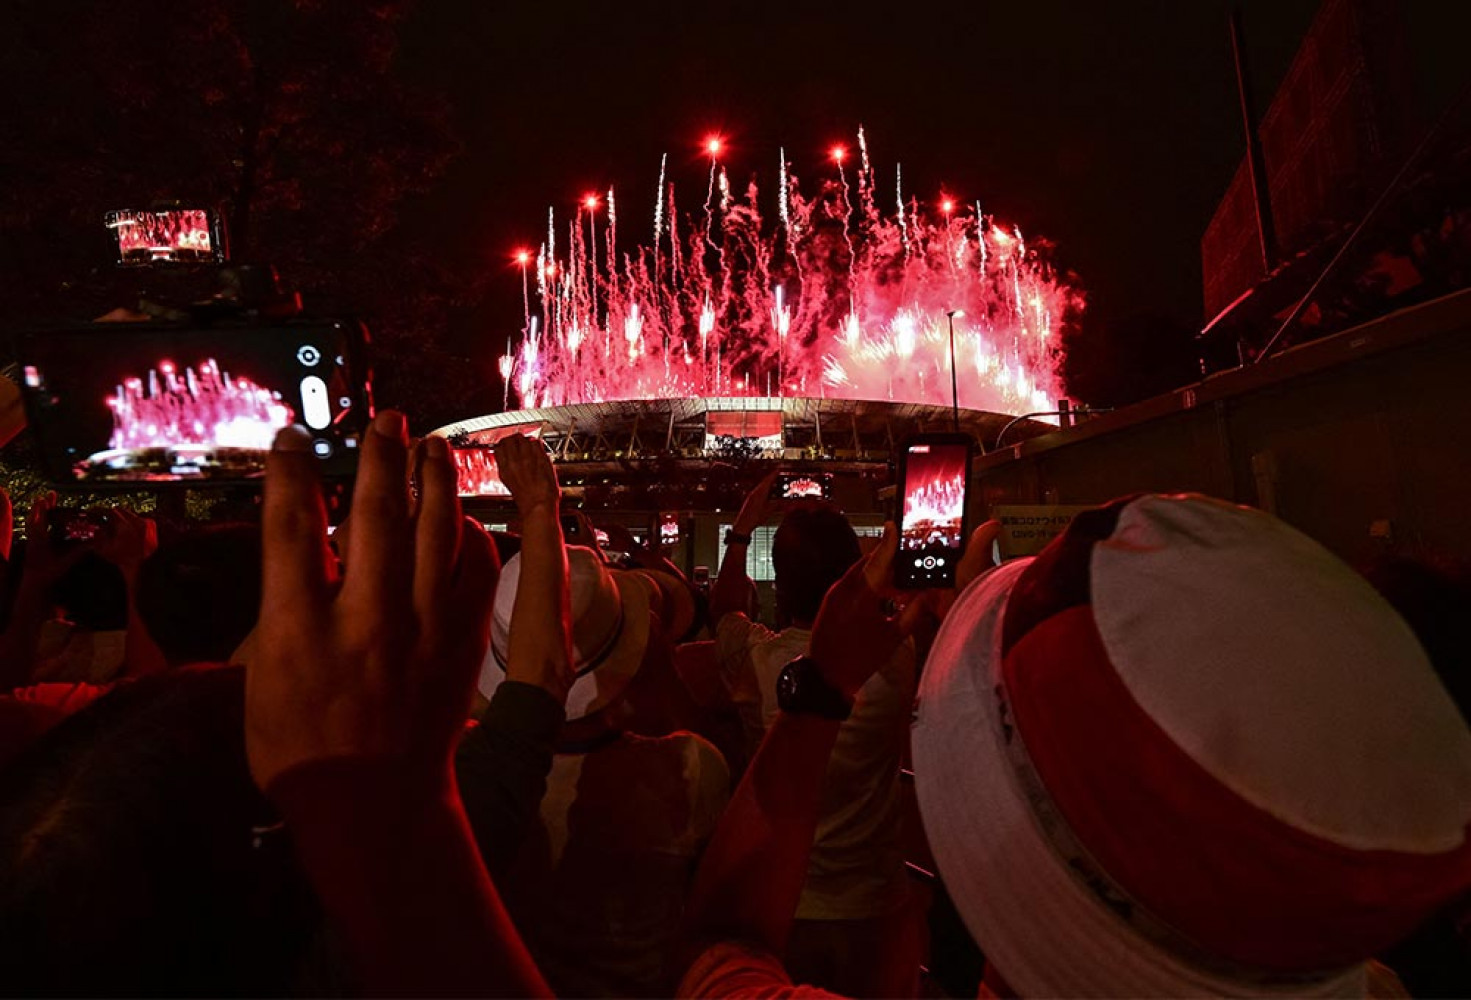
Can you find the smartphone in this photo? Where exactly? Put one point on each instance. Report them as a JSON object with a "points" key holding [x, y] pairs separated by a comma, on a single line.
{"points": [[668, 529], [802, 485], [934, 473], [175, 236], [125, 403], [69, 526], [601, 536]]}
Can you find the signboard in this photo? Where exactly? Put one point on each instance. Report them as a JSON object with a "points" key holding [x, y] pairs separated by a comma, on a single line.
{"points": [[743, 431], [1027, 528]]}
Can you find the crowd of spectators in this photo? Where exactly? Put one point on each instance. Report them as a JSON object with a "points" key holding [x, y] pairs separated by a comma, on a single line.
{"points": [[1184, 751]]}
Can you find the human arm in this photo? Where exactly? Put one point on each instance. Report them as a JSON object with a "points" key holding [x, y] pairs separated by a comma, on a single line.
{"points": [[502, 764], [356, 694], [540, 647], [44, 565], [732, 587], [126, 542], [752, 873]]}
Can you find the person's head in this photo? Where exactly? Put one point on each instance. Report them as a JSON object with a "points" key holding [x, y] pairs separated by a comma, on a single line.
{"points": [[199, 593], [1434, 597], [93, 594], [813, 547], [131, 857], [1187, 751]]}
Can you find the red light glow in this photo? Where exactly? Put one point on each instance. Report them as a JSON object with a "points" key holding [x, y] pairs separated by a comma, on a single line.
{"points": [[522, 257], [590, 202], [700, 309]]}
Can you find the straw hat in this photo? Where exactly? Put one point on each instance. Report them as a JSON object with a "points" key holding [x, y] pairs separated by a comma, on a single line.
{"points": [[1186, 751], [610, 629]]}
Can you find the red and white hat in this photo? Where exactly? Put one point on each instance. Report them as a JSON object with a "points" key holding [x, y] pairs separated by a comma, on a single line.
{"points": [[1187, 751]]}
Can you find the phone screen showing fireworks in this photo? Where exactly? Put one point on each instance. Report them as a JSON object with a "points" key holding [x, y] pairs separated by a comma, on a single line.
{"points": [[931, 492], [120, 403], [178, 236], [803, 486], [669, 529]]}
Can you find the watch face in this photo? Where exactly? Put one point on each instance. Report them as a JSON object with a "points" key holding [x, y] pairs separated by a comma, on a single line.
{"points": [[786, 683]]}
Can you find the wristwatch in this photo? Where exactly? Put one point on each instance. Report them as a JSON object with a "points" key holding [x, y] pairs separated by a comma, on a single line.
{"points": [[802, 690], [733, 537]]}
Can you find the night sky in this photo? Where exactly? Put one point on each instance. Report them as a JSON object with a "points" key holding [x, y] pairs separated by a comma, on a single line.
{"points": [[1111, 129]]}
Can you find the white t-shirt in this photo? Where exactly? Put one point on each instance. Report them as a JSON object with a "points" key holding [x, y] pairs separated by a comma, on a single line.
{"points": [[856, 869]]}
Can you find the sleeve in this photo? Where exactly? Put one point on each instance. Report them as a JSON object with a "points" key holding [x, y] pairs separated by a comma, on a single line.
{"points": [[392, 860], [732, 969], [501, 768], [67, 697], [734, 637]]}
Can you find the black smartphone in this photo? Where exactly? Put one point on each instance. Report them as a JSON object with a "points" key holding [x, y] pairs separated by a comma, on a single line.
{"points": [[802, 485], [934, 474], [172, 236], [69, 526], [669, 533], [124, 403]]}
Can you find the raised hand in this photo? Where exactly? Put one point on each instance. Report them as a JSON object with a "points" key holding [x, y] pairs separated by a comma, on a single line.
{"points": [[757, 506], [853, 636], [45, 563], [383, 664], [127, 540], [526, 469]]}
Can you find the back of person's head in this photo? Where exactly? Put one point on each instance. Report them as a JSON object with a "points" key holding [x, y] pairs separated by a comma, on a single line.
{"points": [[1433, 594], [93, 594], [132, 857], [199, 593], [813, 547], [1187, 751]]}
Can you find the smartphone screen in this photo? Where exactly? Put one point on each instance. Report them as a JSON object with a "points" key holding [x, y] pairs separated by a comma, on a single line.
{"points": [[123, 403], [668, 529], [803, 485], [932, 525], [73, 527], [180, 236]]}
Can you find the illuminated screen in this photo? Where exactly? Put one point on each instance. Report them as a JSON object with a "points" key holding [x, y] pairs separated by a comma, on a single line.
{"points": [[475, 466], [760, 428], [669, 529], [931, 531], [185, 235], [799, 486], [124, 403]]}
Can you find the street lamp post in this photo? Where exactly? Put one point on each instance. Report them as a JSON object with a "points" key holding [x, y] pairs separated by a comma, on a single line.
{"points": [[954, 386]]}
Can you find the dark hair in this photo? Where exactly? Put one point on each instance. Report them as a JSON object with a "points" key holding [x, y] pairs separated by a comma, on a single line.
{"points": [[199, 594], [1433, 595], [93, 594], [131, 860], [813, 547]]}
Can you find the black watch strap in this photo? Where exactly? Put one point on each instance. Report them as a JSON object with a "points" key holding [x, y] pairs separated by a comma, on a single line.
{"points": [[733, 537], [802, 690]]}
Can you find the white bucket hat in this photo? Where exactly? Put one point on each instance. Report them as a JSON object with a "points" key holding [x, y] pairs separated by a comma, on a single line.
{"points": [[1185, 751], [610, 629]]}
